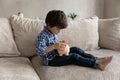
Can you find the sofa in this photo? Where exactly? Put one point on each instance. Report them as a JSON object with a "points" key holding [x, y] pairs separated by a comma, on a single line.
{"points": [[19, 61]]}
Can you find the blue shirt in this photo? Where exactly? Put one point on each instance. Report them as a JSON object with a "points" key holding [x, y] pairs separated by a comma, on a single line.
{"points": [[44, 39]]}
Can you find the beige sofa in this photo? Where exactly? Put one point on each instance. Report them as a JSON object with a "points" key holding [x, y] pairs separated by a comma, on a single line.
{"points": [[18, 61]]}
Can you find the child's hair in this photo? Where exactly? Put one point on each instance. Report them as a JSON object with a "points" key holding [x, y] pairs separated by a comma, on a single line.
{"points": [[56, 18]]}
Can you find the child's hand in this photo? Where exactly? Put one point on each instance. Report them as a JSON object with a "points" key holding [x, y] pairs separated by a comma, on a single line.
{"points": [[62, 46], [56, 45], [64, 41]]}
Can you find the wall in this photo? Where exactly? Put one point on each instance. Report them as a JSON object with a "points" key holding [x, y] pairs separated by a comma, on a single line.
{"points": [[112, 8], [39, 8]]}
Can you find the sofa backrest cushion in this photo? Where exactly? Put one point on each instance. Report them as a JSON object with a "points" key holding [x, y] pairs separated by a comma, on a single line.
{"points": [[7, 43], [82, 33], [109, 33], [25, 31]]}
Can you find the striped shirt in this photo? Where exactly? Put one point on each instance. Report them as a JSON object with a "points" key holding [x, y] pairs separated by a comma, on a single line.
{"points": [[44, 39]]}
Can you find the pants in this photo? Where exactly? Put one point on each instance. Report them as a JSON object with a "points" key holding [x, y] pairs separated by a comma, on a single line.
{"points": [[76, 56]]}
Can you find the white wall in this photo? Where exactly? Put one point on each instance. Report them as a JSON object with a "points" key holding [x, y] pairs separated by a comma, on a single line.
{"points": [[39, 8], [112, 8]]}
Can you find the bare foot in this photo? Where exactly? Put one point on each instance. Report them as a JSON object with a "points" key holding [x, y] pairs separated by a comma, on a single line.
{"points": [[102, 58], [104, 62]]}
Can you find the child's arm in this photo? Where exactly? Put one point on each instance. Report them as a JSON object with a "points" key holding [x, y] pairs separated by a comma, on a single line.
{"points": [[52, 47]]}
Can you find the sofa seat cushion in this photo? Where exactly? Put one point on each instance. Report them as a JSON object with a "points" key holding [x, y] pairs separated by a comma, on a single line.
{"points": [[73, 72], [17, 68]]}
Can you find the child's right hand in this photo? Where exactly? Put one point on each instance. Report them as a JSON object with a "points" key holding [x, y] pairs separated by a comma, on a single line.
{"points": [[60, 44], [56, 45]]}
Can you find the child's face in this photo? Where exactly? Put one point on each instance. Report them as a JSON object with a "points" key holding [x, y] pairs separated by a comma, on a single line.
{"points": [[54, 30]]}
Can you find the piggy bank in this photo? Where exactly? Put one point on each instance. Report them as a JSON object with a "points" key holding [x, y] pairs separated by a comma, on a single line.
{"points": [[63, 48]]}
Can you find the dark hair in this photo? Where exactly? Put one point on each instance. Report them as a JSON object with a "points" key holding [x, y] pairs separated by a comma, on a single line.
{"points": [[56, 18]]}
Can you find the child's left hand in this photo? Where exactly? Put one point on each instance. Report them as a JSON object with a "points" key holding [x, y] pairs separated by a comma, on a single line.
{"points": [[63, 48]]}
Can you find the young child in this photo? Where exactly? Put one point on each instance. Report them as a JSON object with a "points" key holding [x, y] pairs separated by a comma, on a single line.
{"points": [[47, 44]]}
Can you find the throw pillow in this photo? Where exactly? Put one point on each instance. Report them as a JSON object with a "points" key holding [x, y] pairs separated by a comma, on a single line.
{"points": [[109, 33], [25, 32], [82, 33], [7, 43]]}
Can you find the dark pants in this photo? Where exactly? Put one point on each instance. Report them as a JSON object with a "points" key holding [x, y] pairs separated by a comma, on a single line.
{"points": [[76, 56]]}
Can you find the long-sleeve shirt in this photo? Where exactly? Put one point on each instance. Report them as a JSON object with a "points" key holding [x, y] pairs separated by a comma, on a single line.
{"points": [[44, 39]]}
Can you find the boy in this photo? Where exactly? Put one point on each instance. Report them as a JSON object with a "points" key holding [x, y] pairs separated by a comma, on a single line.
{"points": [[47, 44]]}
